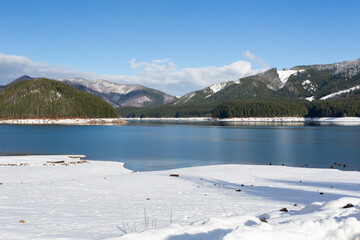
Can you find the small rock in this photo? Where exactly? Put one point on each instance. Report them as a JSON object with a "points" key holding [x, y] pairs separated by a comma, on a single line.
{"points": [[349, 205], [344, 165], [147, 198], [321, 193], [331, 166], [242, 185], [270, 164], [284, 210], [22, 221], [263, 220], [282, 164], [295, 205], [175, 175], [238, 190]]}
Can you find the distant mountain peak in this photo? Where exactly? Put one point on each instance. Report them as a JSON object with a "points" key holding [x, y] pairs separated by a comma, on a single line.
{"points": [[121, 94]]}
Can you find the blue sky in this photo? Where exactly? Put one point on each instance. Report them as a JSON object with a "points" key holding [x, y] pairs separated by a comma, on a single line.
{"points": [[98, 39]]}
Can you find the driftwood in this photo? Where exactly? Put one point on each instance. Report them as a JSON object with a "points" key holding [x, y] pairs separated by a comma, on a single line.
{"points": [[55, 162], [263, 220]]}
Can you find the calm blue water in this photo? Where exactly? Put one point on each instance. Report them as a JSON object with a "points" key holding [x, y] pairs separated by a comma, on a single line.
{"points": [[150, 146]]}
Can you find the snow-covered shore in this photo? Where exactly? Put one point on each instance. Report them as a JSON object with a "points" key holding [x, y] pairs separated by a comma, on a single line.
{"points": [[327, 120], [64, 121], [116, 121], [57, 197]]}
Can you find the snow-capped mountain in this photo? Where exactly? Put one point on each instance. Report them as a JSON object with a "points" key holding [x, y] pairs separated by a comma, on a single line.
{"points": [[121, 94], [301, 82]]}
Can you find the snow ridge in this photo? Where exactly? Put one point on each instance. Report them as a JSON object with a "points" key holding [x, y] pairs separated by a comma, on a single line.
{"points": [[104, 86], [340, 92]]}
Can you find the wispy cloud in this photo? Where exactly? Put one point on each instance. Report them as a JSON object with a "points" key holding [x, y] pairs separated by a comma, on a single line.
{"points": [[160, 74], [255, 59]]}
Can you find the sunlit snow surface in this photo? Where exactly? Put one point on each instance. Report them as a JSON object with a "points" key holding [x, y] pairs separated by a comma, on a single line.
{"points": [[340, 92], [218, 87], [103, 200], [105, 86], [284, 75], [312, 98]]}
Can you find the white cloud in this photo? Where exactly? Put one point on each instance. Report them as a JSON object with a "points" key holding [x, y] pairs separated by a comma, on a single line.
{"points": [[255, 59], [160, 74], [12, 67]]}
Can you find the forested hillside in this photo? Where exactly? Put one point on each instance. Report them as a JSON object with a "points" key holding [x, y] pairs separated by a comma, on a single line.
{"points": [[170, 111], [46, 98], [343, 107], [259, 109]]}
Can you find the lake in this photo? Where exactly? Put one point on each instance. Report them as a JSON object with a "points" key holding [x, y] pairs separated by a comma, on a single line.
{"points": [[151, 146]]}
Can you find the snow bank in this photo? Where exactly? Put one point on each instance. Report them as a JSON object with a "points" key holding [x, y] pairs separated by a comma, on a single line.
{"points": [[349, 121], [57, 199], [325, 121], [117, 121], [65, 121], [265, 119], [184, 119]]}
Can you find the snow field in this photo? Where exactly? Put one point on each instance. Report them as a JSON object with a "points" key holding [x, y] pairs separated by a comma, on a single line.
{"points": [[103, 200]]}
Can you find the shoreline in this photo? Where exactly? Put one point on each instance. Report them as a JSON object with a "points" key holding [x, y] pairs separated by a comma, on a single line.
{"points": [[84, 158], [120, 121], [324, 120], [63, 121]]}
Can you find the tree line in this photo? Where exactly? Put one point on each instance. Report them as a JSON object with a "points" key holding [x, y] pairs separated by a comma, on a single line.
{"points": [[347, 107]]}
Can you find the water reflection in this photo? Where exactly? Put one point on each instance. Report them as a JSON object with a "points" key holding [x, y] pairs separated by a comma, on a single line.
{"points": [[291, 124], [151, 145]]}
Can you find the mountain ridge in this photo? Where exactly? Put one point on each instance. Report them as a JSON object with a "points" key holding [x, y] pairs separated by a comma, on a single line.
{"points": [[121, 94], [303, 82]]}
